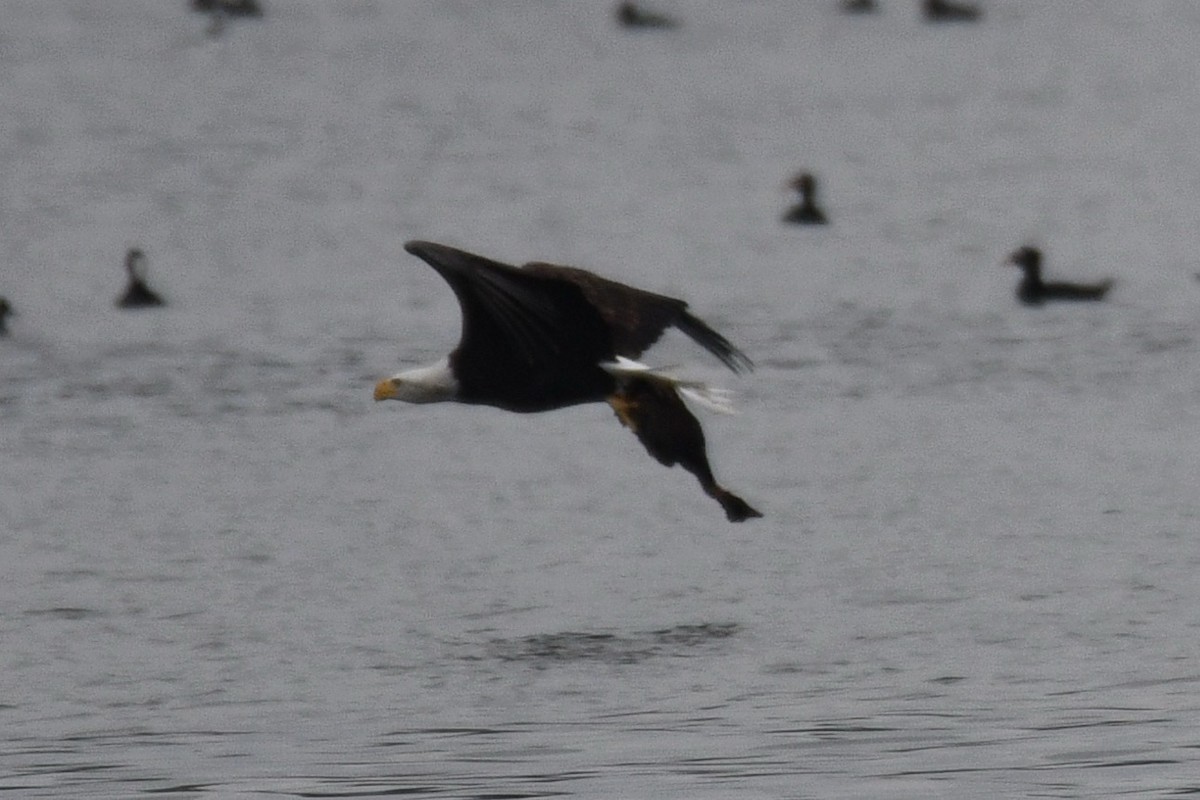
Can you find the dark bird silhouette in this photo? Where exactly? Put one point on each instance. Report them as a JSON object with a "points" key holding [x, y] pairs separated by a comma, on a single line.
{"points": [[630, 16], [5, 310], [1033, 291], [220, 10], [859, 6], [137, 293], [806, 212], [543, 336], [946, 11], [232, 8]]}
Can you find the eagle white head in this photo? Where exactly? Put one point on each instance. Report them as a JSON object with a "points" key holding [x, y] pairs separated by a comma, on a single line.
{"points": [[434, 383]]}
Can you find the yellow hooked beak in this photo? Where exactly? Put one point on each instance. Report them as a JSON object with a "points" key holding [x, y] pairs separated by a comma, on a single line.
{"points": [[385, 389]]}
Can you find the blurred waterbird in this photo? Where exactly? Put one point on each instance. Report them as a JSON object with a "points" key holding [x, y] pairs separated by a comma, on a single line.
{"points": [[806, 212], [859, 6], [946, 11], [1033, 291], [630, 16], [137, 293]]}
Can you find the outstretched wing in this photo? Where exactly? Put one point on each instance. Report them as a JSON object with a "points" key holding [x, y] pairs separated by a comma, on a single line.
{"points": [[637, 318], [521, 332], [651, 407]]}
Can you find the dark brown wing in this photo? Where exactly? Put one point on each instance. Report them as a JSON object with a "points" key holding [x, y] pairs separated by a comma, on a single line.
{"points": [[654, 411], [637, 318], [529, 343]]}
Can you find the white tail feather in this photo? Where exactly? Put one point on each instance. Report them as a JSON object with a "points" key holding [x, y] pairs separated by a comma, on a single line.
{"points": [[712, 398]]}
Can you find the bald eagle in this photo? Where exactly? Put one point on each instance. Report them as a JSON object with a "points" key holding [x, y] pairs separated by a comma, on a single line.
{"points": [[543, 336]]}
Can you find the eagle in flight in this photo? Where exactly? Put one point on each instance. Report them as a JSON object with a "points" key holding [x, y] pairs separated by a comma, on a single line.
{"points": [[544, 336]]}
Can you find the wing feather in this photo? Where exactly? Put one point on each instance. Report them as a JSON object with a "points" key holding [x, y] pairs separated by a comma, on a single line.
{"points": [[637, 318], [529, 342]]}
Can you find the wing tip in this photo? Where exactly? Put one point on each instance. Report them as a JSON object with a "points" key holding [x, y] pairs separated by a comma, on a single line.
{"points": [[715, 343]]}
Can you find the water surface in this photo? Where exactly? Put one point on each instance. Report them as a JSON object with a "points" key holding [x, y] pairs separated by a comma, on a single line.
{"points": [[224, 572]]}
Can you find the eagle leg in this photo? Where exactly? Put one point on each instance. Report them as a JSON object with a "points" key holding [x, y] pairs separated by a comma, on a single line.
{"points": [[650, 406], [625, 408]]}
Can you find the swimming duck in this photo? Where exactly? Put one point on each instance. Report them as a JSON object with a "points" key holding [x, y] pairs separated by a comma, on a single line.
{"points": [[137, 294], [630, 16], [5, 311], [1033, 291], [946, 11], [806, 212], [220, 10], [234, 8]]}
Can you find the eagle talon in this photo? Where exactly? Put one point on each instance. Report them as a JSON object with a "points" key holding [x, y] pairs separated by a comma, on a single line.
{"points": [[625, 410]]}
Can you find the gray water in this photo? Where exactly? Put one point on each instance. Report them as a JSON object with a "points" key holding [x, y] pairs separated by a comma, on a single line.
{"points": [[225, 572]]}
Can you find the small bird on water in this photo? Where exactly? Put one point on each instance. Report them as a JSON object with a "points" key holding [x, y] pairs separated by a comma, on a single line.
{"points": [[234, 8], [629, 15], [859, 6], [5, 310], [1033, 291], [137, 293], [220, 10], [946, 11], [806, 212]]}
